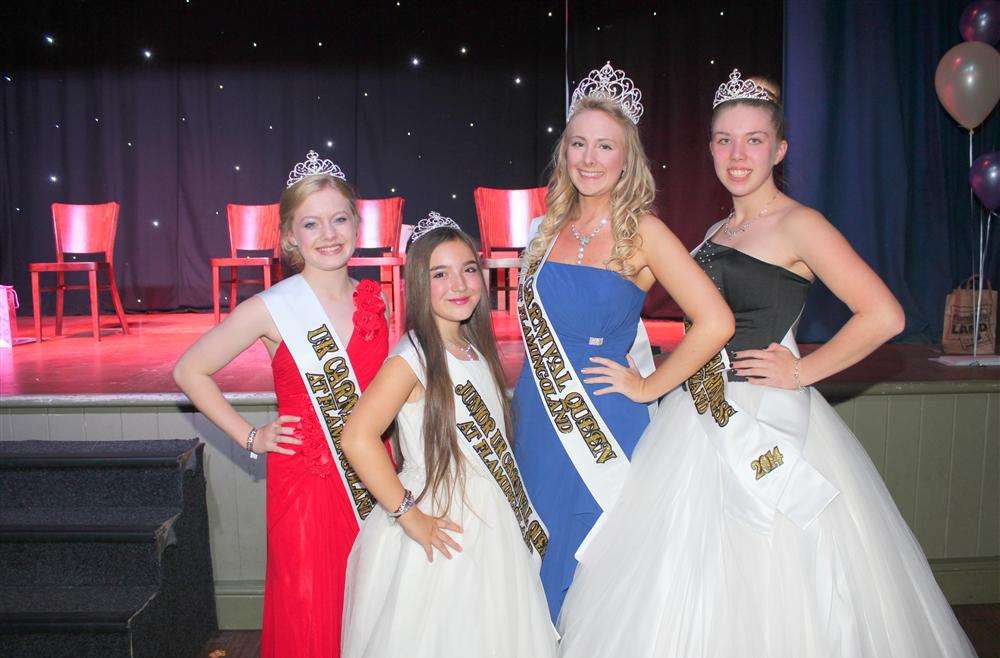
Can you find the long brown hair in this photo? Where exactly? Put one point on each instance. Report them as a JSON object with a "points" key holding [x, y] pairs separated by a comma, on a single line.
{"points": [[631, 198], [441, 449]]}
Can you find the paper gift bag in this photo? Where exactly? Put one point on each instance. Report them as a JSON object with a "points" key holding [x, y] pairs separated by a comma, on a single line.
{"points": [[8, 316], [960, 318]]}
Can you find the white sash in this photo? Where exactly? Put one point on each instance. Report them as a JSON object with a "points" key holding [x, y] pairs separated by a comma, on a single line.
{"points": [[485, 443], [321, 357], [764, 451], [585, 436]]}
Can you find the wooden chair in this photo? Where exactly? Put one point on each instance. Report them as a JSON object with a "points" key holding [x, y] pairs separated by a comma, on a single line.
{"points": [[80, 229], [379, 228], [504, 218], [251, 228]]}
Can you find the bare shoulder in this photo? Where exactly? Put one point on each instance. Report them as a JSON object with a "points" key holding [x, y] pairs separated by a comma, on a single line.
{"points": [[252, 314], [652, 228], [803, 220]]}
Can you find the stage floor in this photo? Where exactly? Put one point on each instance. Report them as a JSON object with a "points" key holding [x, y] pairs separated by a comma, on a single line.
{"points": [[139, 365]]}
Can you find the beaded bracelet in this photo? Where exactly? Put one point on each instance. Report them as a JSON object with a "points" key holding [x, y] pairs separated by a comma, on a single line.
{"points": [[404, 506], [795, 374], [250, 438]]}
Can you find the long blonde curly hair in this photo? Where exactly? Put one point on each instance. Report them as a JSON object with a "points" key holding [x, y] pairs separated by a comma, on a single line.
{"points": [[631, 198]]}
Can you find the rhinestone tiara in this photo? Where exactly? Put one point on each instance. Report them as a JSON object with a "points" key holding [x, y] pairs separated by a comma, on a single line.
{"points": [[739, 89], [312, 166], [432, 221], [610, 84]]}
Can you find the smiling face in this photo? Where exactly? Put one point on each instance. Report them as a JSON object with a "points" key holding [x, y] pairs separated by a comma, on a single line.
{"points": [[324, 229], [745, 148], [595, 152], [456, 282]]}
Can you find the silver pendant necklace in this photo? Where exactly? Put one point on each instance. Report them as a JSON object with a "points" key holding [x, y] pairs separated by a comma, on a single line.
{"points": [[584, 240], [745, 226], [466, 350]]}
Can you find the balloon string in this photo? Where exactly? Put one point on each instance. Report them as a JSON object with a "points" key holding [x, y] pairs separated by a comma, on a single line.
{"points": [[983, 247], [972, 202], [972, 215]]}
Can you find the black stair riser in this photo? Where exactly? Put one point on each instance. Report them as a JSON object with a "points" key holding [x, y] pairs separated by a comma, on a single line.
{"points": [[11, 626], [90, 487], [66, 645], [87, 461], [79, 563]]}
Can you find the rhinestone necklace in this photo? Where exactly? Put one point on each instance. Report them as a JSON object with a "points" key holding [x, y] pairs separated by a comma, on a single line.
{"points": [[584, 240], [466, 349], [745, 226]]}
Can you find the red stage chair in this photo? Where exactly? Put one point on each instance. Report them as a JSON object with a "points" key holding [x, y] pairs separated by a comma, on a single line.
{"points": [[379, 226], [504, 218], [251, 228], [80, 229]]}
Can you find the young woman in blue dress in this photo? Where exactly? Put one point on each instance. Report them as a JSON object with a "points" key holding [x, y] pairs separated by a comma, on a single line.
{"points": [[598, 250]]}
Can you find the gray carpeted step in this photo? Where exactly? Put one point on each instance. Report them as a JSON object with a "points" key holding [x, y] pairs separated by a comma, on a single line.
{"points": [[94, 473], [84, 546], [104, 549]]}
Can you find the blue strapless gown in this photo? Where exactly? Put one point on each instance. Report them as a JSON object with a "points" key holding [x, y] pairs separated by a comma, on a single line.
{"points": [[582, 302]]}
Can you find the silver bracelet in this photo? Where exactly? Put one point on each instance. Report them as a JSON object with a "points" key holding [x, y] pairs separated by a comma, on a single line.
{"points": [[250, 437], [795, 374], [404, 506]]}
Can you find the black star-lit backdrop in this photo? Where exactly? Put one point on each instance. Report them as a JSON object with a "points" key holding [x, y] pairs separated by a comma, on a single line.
{"points": [[678, 54], [175, 109]]}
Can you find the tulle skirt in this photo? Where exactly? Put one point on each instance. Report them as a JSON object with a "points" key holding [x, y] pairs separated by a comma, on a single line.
{"points": [[673, 574], [487, 601]]}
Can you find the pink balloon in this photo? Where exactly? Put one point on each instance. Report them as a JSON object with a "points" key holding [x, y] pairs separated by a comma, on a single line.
{"points": [[968, 82]]}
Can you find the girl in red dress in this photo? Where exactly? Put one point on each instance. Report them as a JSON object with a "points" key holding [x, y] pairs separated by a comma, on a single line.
{"points": [[311, 519]]}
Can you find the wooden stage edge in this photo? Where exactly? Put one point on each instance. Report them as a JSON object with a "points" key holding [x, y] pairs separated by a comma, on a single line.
{"points": [[74, 370], [932, 431]]}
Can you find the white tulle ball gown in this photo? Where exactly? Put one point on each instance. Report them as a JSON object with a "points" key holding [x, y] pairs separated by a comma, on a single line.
{"points": [[756, 528]]}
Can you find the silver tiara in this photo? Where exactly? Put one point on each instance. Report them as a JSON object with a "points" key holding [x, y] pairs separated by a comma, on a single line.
{"points": [[610, 84], [432, 221], [312, 166], [739, 89]]}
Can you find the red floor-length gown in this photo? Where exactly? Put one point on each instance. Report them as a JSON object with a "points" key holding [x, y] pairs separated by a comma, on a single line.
{"points": [[310, 522]]}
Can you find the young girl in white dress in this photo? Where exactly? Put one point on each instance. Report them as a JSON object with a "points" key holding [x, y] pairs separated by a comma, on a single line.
{"points": [[448, 564]]}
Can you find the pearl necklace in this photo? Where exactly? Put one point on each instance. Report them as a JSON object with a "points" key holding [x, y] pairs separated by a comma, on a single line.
{"points": [[745, 226], [584, 240]]}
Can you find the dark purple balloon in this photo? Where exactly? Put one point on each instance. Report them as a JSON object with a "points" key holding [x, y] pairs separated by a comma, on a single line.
{"points": [[984, 177], [981, 22]]}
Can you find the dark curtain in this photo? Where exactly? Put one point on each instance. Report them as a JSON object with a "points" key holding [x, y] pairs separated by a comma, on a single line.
{"points": [[422, 100], [871, 147], [678, 53]]}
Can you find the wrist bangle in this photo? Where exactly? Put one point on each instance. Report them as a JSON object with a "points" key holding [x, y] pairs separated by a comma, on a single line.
{"points": [[795, 374], [250, 438], [404, 506]]}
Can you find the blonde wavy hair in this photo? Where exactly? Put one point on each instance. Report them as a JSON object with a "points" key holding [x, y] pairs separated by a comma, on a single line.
{"points": [[631, 198], [294, 196]]}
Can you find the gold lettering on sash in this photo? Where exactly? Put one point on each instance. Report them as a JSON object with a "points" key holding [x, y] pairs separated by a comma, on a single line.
{"points": [[767, 462], [707, 387], [551, 373], [322, 341], [336, 396], [489, 443], [596, 441]]}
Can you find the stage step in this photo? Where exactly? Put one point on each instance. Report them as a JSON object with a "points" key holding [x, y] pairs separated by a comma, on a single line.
{"points": [[104, 547], [84, 546], [93, 473]]}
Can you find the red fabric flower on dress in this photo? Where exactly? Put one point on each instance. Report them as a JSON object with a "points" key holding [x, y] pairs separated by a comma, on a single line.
{"points": [[369, 310]]}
